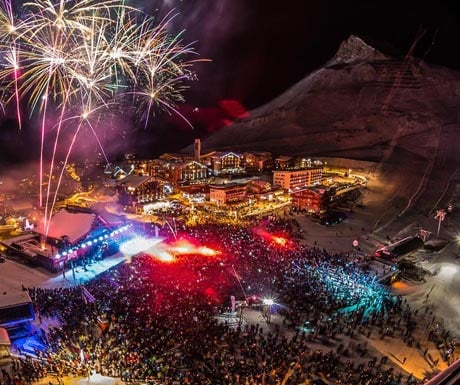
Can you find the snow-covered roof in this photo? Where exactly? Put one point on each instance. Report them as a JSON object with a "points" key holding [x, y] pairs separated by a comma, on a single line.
{"points": [[19, 204], [11, 297], [180, 165], [284, 158], [133, 181], [109, 218], [72, 225], [223, 154]]}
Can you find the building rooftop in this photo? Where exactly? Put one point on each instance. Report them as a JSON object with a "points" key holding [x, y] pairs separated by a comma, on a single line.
{"points": [[133, 181], [72, 225], [109, 218], [284, 158], [219, 154], [10, 297], [226, 185], [19, 204]]}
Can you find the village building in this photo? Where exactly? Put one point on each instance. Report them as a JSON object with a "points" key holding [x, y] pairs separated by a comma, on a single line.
{"points": [[227, 193], [285, 162], [226, 163], [313, 199], [292, 180], [134, 191]]}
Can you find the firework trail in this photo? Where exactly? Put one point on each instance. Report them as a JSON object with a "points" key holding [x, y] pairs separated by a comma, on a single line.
{"points": [[70, 58]]}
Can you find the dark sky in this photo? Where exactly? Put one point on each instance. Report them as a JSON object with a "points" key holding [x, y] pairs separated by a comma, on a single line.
{"points": [[259, 48]]}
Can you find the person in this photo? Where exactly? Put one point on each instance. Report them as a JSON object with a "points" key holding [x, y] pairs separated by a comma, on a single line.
{"points": [[310, 282]]}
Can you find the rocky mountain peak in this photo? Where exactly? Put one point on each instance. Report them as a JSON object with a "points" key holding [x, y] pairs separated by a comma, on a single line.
{"points": [[354, 50]]}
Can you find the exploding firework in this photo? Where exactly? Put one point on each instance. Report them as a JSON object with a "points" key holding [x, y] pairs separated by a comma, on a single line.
{"points": [[76, 60]]}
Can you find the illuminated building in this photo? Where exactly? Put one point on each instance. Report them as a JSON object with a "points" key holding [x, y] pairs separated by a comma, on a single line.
{"points": [[135, 190], [257, 161], [296, 163], [16, 313], [226, 163], [227, 193], [154, 167], [293, 180], [259, 186], [307, 163], [312, 199], [182, 172], [285, 163], [175, 157], [73, 233]]}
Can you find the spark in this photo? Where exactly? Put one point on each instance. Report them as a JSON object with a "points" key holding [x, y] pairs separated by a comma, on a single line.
{"points": [[61, 56]]}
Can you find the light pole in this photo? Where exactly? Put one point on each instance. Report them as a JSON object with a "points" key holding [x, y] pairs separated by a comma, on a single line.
{"points": [[73, 270]]}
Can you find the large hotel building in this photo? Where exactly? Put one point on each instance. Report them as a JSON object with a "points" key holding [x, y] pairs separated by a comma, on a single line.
{"points": [[296, 179]]}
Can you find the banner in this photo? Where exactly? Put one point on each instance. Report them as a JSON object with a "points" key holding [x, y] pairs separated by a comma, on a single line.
{"points": [[102, 323], [87, 296]]}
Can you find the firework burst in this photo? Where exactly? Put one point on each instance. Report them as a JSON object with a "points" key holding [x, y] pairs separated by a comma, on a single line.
{"points": [[71, 59]]}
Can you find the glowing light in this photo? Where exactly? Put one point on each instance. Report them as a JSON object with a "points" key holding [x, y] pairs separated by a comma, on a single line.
{"points": [[268, 301], [65, 57], [400, 285], [280, 241], [184, 247], [183, 250], [210, 292], [163, 256], [206, 251], [137, 245]]}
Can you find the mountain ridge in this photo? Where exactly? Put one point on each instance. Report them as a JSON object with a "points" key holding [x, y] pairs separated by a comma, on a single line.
{"points": [[363, 105]]}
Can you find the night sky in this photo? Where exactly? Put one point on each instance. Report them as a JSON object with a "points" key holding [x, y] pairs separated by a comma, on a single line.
{"points": [[259, 48]]}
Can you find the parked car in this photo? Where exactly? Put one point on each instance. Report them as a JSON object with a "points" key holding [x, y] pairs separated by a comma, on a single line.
{"points": [[333, 218]]}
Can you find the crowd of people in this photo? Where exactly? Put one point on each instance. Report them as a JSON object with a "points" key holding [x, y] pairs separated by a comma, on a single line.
{"points": [[156, 322]]}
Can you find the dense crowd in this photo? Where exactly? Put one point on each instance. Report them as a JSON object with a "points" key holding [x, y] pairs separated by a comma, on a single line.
{"points": [[158, 323]]}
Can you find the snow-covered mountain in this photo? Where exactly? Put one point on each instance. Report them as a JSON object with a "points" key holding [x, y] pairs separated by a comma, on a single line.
{"points": [[399, 112]]}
